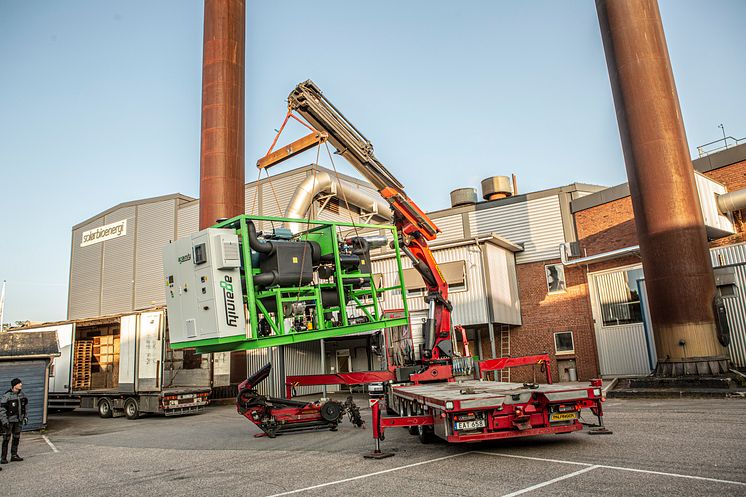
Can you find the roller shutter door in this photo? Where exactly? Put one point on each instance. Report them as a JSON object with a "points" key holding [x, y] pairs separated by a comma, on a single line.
{"points": [[33, 373]]}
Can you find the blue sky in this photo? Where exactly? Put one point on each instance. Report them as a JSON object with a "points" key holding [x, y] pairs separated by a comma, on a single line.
{"points": [[100, 102]]}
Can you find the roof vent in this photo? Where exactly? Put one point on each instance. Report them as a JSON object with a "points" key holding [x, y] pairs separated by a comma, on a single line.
{"points": [[463, 196], [496, 187]]}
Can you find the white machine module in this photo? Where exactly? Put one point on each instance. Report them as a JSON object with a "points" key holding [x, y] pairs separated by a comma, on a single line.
{"points": [[203, 287]]}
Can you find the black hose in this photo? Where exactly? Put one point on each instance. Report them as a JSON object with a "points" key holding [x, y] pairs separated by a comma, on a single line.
{"points": [[257, 244]]}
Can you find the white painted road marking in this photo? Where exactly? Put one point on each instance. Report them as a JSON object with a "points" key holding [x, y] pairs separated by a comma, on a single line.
{"points": [[549, 482], [618, 468], [49, 442], [369, 475]]}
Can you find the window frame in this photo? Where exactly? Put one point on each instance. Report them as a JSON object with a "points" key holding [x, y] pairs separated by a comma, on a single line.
{"points": [[564, 352], [563, 279]]}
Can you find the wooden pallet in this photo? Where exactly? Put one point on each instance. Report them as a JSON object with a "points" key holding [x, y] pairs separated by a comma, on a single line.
{"points": [[82, 365]]}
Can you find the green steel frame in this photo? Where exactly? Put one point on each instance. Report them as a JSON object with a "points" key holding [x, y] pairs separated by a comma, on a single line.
{"points": [[364, 300]]}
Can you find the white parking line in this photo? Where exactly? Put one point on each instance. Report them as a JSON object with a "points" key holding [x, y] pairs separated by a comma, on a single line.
{"points": [[390, 470], [618, 468], [51, 445], [549, 482]]}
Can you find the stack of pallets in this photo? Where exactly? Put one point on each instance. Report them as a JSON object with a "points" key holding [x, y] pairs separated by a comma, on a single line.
{"points": [[82, 365]]}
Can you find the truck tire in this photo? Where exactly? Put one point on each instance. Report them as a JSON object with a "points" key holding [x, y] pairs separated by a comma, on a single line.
{"points": [[104, 408], [131, 408], [425, 434]]}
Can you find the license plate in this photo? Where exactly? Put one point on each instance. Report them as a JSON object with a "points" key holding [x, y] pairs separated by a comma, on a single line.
{"points": [[563, 416], [471, 425]]}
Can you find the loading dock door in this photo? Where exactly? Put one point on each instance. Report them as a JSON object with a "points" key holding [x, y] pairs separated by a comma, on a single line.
{"points": [[618, 321], [150, 358]]}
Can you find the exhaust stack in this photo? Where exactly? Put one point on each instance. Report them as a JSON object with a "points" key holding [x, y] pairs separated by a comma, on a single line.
{"points": [[670, 227], [222, 143]]}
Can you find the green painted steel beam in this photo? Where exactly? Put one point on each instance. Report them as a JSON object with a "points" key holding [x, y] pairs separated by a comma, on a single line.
{"points": [[218, 345]]}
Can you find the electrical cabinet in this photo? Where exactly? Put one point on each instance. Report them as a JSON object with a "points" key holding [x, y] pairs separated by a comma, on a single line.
{"points": [[203, 287]]}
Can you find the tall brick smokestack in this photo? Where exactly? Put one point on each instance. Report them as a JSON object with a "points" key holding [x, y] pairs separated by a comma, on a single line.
{"points": [[222, 143], [670, 227]]}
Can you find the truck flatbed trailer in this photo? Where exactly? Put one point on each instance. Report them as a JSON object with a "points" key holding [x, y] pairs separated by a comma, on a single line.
{"points": [[475, 410]]}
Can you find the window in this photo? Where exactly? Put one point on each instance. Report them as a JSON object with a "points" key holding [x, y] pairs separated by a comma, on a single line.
{"points": [[563, 343], [453, 272], [555, 274], [619, 298]]}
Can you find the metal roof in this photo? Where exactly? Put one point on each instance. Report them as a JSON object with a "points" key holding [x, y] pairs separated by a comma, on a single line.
{"points": [[28, 344]]}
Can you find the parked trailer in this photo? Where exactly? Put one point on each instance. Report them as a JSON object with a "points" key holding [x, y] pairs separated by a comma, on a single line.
{"points": [[123, 366]]}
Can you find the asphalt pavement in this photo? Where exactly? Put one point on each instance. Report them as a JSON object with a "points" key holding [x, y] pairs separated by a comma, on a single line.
{"points": [[659, 447]]}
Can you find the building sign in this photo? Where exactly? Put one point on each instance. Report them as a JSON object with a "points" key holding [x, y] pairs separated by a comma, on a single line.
{"points": [[103, 233]]}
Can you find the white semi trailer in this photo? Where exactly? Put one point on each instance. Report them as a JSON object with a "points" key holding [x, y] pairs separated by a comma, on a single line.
{"points": [[123, 365]]}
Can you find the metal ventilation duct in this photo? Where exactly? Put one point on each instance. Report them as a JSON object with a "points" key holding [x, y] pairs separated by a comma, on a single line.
{"points": [[322, 182], [732, 201], [464, 196], [496, 187]]}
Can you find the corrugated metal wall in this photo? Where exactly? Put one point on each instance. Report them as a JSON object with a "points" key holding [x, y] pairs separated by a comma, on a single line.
{"points": [[277, 192], [735, 256], [84, 295], [118, 265], [155, 228], [300, 359], [33, 373], [451, 227], [468, 306], [536, 223], [187, 220], [726, 256], [708, 190]]}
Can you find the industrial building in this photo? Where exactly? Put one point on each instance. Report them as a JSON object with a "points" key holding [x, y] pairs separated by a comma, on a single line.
{"points": [[552, 271]]}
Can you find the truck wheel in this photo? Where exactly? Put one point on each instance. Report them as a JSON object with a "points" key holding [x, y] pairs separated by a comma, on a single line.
{"points": [[104, 408], [413, 430], [425, 434], [131, 409]]}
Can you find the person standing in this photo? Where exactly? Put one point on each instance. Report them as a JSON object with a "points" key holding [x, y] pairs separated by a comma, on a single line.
{"points": [[13, 414]]}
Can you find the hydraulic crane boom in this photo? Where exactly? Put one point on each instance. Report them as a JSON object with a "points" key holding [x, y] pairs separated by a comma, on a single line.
{"points": [[414, 226]]}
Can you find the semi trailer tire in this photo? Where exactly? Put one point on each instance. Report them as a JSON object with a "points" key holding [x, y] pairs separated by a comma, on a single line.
{"points": [[131, 408], [104, 408]]}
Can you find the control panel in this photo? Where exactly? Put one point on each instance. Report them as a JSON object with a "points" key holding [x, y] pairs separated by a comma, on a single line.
{"points": [[203, 287]]}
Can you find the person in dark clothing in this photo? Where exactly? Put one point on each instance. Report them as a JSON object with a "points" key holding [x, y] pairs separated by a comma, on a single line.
{"points": [[13, 414]]}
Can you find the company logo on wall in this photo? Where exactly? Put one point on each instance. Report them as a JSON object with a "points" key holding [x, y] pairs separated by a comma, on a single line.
{"points": [[103, 233]]}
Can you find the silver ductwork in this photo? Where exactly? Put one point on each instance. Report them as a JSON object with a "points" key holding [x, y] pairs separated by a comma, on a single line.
{"points": [[318, 182], [731, 201]]}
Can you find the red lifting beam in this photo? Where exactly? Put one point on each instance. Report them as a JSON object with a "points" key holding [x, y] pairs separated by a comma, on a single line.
{"points": [[509, 362], [354, 378]]}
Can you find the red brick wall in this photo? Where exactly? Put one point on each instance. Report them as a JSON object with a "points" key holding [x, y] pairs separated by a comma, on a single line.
{"points": [[544, 314], [732, 176], [606, 227]]}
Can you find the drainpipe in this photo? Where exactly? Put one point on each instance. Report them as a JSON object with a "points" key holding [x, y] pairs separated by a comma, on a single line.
{"points": [[564, 249]]}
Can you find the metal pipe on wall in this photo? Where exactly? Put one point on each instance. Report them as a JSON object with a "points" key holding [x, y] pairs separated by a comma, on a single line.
{"points": [[669, 222], [222, 141], [731, 201]]}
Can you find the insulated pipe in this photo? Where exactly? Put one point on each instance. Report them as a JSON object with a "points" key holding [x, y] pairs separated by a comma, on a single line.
{"points": [[255, 243], [668, 218], [320, 181], [221, 184], [731, 201]]}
